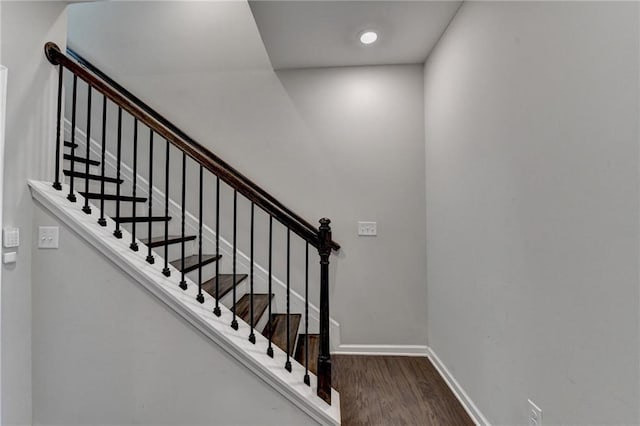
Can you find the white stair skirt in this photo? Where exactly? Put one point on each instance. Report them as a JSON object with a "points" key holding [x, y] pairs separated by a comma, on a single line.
{"points": [[254, 357]]}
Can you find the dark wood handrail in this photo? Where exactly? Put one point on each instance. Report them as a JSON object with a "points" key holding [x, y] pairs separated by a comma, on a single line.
{"points": [[160, 125]]}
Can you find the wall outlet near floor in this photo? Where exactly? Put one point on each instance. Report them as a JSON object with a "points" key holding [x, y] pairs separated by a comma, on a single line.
{"points": [[535, 414], [367, 228]]}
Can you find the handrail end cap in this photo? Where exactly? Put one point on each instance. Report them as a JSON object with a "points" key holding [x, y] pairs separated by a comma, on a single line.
{"points": [[50, 50]]}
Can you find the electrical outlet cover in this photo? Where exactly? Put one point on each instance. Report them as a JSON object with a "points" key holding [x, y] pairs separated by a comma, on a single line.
{"points": [[367, 228]]}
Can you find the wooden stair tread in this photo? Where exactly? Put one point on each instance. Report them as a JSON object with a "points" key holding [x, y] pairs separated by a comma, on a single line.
{"points": [[111, 197], [191, 263], [314, 348], [138, 219], [225, 286], [171, 239], [83, 175], [278, 330], [242, 307], [81, 159]]}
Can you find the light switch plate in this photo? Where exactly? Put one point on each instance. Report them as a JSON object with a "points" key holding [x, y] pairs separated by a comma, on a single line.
{"points": [[11, 237], [10, 257], [368, 228], [48, 237]]}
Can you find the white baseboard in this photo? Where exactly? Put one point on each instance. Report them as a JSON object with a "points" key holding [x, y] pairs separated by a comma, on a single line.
{"points": [[389, 350], [469, 406]]}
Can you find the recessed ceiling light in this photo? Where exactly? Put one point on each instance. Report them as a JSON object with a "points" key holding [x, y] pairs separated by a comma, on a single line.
{"points": [[368, 37]]}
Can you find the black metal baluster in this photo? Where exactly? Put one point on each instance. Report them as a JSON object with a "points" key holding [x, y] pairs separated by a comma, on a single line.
{"points": [[86, 207], [270, 327], [72, 197], [200, 297], [183, 282], [118, 233], [287, 365], [234, 322], [56, 182], [166, 270], [252, 336], [150, 257], [134, 244], [217, 310], [307, 380], [102, 221]]}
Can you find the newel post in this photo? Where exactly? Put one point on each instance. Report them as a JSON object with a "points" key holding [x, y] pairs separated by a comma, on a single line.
{"points": [[324, 355]]}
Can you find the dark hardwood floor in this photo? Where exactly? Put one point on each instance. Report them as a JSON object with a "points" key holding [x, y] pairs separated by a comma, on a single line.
{"points": [[388, 390], [277, 329], [314, 348]]}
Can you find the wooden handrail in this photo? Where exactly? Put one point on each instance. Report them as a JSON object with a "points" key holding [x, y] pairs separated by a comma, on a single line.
{"points": [[160, 125]]}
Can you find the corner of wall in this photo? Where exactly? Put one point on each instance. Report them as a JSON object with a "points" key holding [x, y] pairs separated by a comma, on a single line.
{"points": [[30, 113]]}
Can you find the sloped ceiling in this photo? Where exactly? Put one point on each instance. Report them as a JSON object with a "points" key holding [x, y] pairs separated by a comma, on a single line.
{"points": [[148, 38], [303, 34]]}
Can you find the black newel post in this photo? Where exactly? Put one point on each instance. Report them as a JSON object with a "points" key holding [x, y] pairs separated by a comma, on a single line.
{"points": [[324, 356]]}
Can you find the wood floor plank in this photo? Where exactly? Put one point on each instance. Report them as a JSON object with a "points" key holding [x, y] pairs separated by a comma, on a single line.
{"points": [[82, 175], [314, 343], [82, 160], [387, 390], [192, 262], [277, 329], [141, 219], [225, 285], [243, 307], [112, 197], [161, 241]]}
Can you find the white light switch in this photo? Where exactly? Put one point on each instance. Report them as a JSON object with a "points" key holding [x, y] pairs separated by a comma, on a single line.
{"points": [[11, 237], [48, 237], [367, 228], [9, 257]]}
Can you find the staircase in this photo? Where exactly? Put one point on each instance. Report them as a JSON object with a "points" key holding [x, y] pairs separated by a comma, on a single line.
{"points": [[281, 328], [133, 222]]}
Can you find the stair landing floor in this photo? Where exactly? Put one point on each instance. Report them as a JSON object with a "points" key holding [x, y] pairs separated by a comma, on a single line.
{"points": [[384, 390]]}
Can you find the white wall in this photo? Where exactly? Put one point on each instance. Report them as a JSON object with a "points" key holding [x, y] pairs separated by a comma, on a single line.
{"points": [[3, 88], [106, 351], [365, 126], [532, 208], [29, 148], [343, 143]]}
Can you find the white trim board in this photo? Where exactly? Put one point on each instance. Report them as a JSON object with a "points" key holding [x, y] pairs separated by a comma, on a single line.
{"points": [[150, 277], [261, 274], [389, 350], [470, 407]]}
